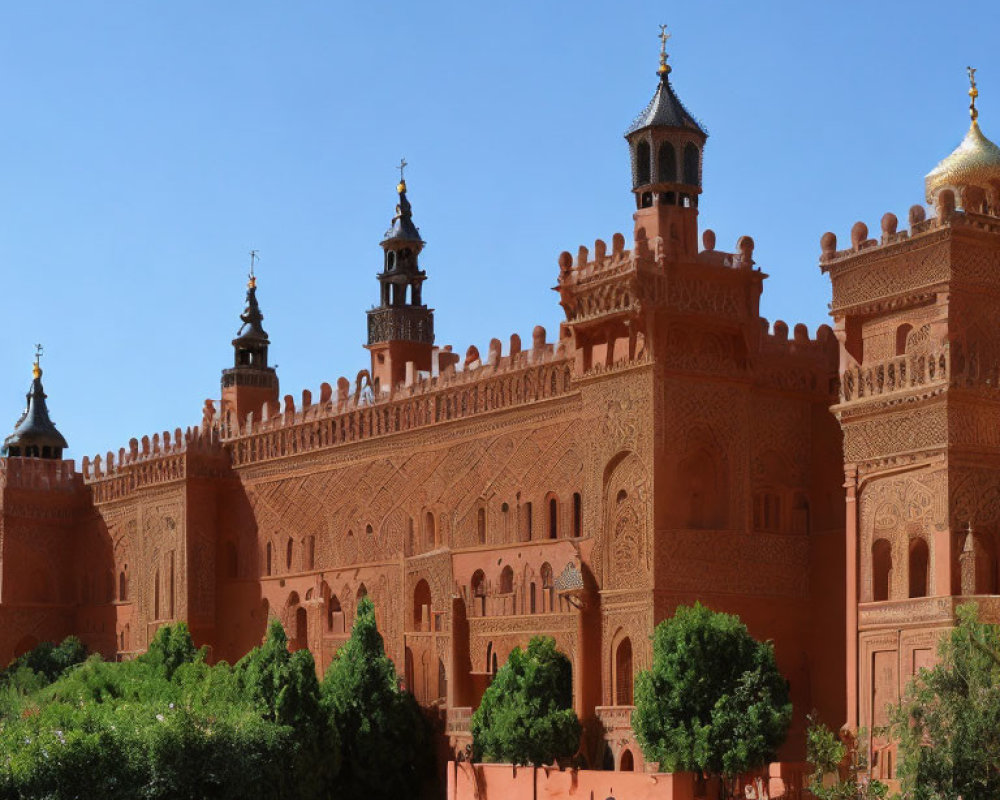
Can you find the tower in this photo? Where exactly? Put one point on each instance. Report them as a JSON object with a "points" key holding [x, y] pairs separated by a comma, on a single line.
{"points": [[35, 435], [400, 327], [915, 315], [250, 383], [666, 144]]}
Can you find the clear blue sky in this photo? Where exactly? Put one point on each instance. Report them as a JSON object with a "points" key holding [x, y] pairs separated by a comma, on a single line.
{"points": [[146, 147]]}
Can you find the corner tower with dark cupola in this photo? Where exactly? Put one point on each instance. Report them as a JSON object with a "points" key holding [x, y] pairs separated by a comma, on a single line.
{"points": [[666, 145], [400, 327], [35, 435], [250, 383]]}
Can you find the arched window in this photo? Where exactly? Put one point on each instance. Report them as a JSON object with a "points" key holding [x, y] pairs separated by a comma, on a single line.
{"points": [[362, 593], [627, 763], [334, 615], [548, 588], [410, 543], [642, 164], [553, 518], [490, 658], [421, 606], [478, 584], [268, 557], [527, 522], [902, 334], [666, 163], [481, 525], [311, 552], [691, 165], [881, 570], [156, 595], [919, 567], [430, 535], [122, 586], [301, 629], [170, 596], [531, 596], [507, 580], [288, 554], [623, 673], [577, 515], [232, 561], [442, 680]]}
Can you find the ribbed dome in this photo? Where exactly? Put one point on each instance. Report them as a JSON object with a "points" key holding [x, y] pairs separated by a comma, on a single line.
{"points": [[975, 162]]}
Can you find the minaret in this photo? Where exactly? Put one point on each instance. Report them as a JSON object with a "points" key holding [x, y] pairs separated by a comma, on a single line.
{"points": [[400, 327], [35, 435], [250, 383], [666, 146]]}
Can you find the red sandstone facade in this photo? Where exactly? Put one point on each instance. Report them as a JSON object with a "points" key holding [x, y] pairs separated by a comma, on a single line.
{"points": [[668, 445]]}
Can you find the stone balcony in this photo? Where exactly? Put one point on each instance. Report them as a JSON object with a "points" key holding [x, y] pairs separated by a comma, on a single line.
{"points": [[896, 377], [921, 611]]}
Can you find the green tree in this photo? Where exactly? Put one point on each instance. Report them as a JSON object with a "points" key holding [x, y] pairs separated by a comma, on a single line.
{"points": [[47, 660], [171, 646], [385, 738], [714, 701], [837, 773], [283, 686], [948, 721], [526, 715]]}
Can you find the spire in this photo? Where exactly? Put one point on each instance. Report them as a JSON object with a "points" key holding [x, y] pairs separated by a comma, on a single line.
{"points": [[35, 435], [973, 94], [664, 70], [665, 109], [400, 327], [250, 383], [402, 228], [251, 330]]}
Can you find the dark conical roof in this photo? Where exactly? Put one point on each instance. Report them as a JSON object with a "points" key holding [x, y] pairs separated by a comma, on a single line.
{"points": [[251, 330], [665, 110], [34, 428], [402, 228]]}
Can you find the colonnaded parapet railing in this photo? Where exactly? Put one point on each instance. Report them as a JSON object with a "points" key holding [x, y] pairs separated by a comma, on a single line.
{"points": [[896, 375], [918, 611]]}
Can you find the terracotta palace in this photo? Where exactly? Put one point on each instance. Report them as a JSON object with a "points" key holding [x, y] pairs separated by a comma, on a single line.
{"points": [[840, 491]]}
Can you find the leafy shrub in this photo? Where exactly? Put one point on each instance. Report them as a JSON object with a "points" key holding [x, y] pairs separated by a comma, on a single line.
{"points": [[384, 737], [714, 701], [526, 715]]}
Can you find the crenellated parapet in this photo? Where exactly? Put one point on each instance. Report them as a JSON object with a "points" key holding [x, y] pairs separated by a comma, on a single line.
{"points": [[159, 459], [799, 362], [353, 412], [36, 474]]}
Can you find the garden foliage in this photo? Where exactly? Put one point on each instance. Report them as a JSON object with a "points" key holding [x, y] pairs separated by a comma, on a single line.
{"points": [[526, 715], [170, 725], [714, 701], [948, 722]]}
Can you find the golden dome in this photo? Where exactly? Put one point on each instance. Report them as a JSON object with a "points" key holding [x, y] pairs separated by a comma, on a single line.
{"points": [[975, 162]]}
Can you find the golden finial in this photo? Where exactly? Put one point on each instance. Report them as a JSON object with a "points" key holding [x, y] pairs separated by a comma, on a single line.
{"points": [[973, 94], [401, 186], [36, 369], [252, 280], [664, 67]]}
